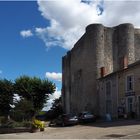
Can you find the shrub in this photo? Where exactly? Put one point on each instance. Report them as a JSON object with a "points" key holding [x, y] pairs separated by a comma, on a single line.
{"points": [[3, 120], [38, 124], [14, 124]]}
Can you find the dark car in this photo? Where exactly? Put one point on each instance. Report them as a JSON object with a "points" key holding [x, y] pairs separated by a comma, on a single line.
{"points": [[86, 117], [64, 120]]}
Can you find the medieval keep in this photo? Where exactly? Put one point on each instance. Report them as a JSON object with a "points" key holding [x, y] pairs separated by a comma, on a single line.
{"points": [[101, 73]]}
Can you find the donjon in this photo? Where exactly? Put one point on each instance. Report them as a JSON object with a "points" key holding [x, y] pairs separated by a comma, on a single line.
{"points": [[99, 52]]}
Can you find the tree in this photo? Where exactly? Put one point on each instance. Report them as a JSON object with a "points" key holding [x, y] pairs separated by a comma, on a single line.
{"points": [[22, 110], [55, 110], [57, 106], [6, 97], [34, 89]]}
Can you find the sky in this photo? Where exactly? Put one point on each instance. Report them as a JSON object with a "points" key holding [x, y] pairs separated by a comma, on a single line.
{"points": [[34, 35]]}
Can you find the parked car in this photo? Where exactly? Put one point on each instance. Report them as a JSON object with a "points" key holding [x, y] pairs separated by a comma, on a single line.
{"points": [[64, 120], [86, 117]]}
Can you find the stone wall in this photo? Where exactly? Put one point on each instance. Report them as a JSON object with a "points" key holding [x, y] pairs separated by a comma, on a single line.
{"points": [[108, 50], [66, 90], [135, 93], [83, 73], [137, 44], [100, 47], [125, 43], [113, 96]]}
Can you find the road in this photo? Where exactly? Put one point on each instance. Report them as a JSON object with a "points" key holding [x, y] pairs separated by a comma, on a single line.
{"points": [[128, 129]]}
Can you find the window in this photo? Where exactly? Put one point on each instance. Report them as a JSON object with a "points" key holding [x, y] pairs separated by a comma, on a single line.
{"points": [[108, 88], [108, 106], [129, 83], [108, 97]]}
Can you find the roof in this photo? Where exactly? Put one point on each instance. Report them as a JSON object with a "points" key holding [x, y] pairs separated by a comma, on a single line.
{"points": [[122, 70]]}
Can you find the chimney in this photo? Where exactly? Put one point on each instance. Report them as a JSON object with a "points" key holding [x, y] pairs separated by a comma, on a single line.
{"points": [[125, 62], [102, 71]]}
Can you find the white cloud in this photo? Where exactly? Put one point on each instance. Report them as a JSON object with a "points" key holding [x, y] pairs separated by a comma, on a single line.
{"points": [[54, 76], [16, 97], [68, 21], [52, 97], [121, 12], [55, 95], [68, 18], [26, 33]]}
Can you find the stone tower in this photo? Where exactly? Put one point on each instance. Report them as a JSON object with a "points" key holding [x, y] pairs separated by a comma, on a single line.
{"points": [[100, 51]]}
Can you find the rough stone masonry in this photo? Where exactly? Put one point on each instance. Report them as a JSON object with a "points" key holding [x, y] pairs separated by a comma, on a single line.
{"points": [[100, 51]]}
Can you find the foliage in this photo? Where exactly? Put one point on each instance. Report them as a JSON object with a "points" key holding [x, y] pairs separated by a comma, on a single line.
{"points": [[33, 93], [22, 110], [38, 124], [34, 90], [3, 120], [55, 110], [13, 124], [42, 113], [6, 97]]}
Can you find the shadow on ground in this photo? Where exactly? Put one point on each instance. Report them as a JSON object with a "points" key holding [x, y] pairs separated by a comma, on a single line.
{"points": [[112, 123]]}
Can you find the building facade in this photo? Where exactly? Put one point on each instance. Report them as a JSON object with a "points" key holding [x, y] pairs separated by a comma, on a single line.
{"points": [[99, 53], [119, 92]]}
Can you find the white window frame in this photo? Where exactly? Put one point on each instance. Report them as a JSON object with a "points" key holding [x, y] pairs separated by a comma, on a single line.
{"points": [[126, 83], [133, 101]]}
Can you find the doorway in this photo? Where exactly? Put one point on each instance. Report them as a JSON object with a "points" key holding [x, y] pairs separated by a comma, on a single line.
{"points": [[130, 104]]}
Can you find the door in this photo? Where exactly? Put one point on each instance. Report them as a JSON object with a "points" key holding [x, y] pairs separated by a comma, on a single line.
{"points": [[130, 104]]}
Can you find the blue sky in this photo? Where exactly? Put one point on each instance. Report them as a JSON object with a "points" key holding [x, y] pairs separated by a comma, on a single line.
{"points": [[25, 56], [35, 35]]}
